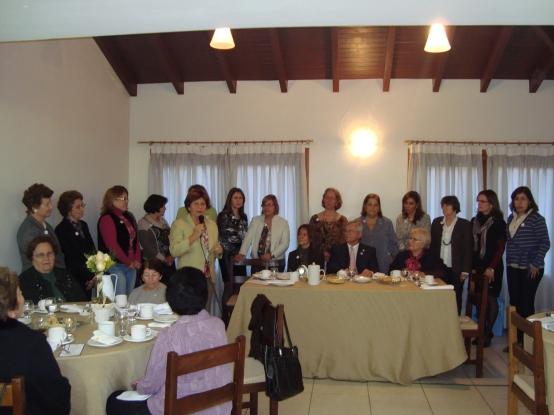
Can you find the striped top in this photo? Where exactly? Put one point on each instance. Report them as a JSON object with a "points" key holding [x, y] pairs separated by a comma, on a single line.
{"points": [[529, 244]]}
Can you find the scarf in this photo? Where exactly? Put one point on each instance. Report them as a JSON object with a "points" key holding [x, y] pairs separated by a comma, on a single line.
{"points": [[413, 263], [481, 225], [262, 244], [205, 243]]}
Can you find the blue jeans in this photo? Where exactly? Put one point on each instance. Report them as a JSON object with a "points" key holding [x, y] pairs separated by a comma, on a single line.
{"points": [[126, 278]]}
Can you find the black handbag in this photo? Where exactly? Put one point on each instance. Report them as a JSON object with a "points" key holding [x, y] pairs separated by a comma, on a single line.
{"points": [[283, 374]]}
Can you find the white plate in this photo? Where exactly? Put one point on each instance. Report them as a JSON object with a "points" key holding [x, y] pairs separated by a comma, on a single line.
{"points": [[94, 343], [360, 279], [70, 311], [432, 284], [144, 318], [24, 320], [128, 338], [548, 326], [166, 318], [40, 311]]}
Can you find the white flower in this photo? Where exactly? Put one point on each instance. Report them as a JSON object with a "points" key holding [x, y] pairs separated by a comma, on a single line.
{"points": [[106, 257], [100, 266], [99, 256]]}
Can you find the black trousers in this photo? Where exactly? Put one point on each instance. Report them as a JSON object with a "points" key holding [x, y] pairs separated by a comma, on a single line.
{"points": [[450, 278], [116, 407], [522, 290]]}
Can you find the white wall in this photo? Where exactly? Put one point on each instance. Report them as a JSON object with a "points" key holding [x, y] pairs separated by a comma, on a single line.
{"points": [[311, 110], [64, 121]]}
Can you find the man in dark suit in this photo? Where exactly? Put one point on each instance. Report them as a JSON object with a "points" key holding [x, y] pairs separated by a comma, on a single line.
{"points": [[345, 255]]}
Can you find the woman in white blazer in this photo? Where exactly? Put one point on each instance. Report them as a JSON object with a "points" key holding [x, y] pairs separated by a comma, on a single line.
{"points": [[267, 238]]}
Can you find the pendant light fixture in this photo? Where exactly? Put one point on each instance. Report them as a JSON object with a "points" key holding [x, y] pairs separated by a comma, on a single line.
{"points": [[437, 41], [222, 39]]}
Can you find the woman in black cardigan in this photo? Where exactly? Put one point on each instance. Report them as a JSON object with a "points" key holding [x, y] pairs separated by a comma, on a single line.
{"points": [[418, 258], [75, 238], [306, 253], [25, 352]]}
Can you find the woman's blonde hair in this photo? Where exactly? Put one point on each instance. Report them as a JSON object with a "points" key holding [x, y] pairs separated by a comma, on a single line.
{"points": [[111, 194], [8, 292]]}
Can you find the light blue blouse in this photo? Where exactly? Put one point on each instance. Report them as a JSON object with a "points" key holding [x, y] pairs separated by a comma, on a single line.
{"points": [[383, 239]]}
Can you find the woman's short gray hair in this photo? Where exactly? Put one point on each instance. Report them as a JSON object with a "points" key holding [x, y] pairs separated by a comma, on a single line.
{"points": [[425, 235]]}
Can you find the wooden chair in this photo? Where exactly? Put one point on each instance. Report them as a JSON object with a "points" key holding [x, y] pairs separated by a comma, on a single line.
{"points": [[472, 329], [205, 359], [12, 395], [529, 389], [254, 372]]}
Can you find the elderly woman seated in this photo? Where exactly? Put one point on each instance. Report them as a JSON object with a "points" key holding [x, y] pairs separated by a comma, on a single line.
{"points": [[418, 258], [25, 352], [43, 280], [153, 290], [195, 330]]}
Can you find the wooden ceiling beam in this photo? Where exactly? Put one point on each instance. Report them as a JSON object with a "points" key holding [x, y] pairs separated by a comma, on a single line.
{"points": [[278, 59], [442, 60], [496, 56], [389, 55], [226, 71], [543, 68], [117, 60], [168, 62], [335, 58]]}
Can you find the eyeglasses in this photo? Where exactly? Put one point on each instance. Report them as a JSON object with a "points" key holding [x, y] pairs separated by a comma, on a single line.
{"points": [[150, 275], [82, 205], [122, 199], [415, 239], [44, 255]]}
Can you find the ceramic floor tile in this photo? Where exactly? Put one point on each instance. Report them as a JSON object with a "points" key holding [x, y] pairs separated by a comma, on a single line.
{"points": [[343, 403], [496, 397], [297, 405], [330, 386], [456, 399], [388, 398], [495, 370]]}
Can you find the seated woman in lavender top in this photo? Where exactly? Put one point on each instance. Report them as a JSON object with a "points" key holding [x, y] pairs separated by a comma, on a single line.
{"points": [[195, 330]]}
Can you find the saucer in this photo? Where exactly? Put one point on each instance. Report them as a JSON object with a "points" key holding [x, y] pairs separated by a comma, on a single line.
{"points": [[144, 318], [94, 343], [165, 318], [431, 284], [335, 280], [360, 279], [24, 320], [68, 340], [128, 338]]}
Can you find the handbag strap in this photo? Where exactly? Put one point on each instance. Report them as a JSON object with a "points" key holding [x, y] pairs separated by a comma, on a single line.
{"points": [[286, 331]]}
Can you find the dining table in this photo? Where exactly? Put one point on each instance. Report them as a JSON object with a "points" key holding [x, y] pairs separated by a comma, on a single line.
{"points": [[99, 371], [548, 351], [360, 332]]}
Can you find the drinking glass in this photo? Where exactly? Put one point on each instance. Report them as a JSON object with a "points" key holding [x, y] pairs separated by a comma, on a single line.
{"points": [[27, 308], [406, 274], [70, 324], [132, 313], [123, 322], [351, 273]]}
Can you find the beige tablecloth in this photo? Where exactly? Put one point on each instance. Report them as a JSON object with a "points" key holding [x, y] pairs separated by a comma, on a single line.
{"points": [[548, 347], [98, 372], [364, 331]]}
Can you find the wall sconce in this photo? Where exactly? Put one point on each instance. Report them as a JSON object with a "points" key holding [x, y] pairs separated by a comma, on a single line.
{"points": [[222, 39], [363, 143], [437, 41]]}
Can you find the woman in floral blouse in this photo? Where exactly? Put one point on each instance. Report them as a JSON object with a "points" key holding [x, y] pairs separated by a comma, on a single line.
{"points": [[328, 226], [232, 224]]}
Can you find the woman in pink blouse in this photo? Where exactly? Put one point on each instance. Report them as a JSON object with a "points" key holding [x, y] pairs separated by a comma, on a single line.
{"points": [[195, 330], [117, 234]]}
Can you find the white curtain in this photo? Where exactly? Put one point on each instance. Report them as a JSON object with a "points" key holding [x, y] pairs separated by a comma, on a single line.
{"points": [[513, 165], [436, 170]]}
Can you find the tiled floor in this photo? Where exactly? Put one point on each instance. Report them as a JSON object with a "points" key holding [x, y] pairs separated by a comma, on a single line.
{"points": [[454, 392]]}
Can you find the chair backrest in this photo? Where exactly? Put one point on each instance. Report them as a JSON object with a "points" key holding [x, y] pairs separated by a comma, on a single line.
{"points": [[534, 360], [12, 394], [205, 359], [477, 298]]}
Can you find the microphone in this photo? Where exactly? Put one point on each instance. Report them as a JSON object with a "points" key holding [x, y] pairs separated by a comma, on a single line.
{"points": [[201, 218]]}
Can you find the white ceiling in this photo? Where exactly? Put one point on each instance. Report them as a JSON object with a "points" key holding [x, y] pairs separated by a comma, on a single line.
{"points": [[50, 19]]}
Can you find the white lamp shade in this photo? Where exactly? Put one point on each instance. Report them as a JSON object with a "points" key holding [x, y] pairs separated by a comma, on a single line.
{"points": [[437, 41], [222, 39]]}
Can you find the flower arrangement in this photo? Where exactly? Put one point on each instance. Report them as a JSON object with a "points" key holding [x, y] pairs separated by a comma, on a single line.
{"points": [[97, 264]]}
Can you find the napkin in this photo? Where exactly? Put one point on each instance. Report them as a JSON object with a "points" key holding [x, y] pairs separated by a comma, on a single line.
{"points": [[437, 287], [103, 338], [161, 309], [72, 350], [71, 308], [132, 396]]}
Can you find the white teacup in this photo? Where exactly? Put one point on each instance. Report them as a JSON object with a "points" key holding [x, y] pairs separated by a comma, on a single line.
{"points": [[265, 274], [146, 311], [429, 279], [140, 332], [56, 335], [107, 327], [294, 276], [395, 273], [101, 314], [121, 300], [42, 304]]}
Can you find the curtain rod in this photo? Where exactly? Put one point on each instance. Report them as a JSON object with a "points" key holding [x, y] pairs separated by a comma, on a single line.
{"points": [[229, 142], [478, 142]]}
